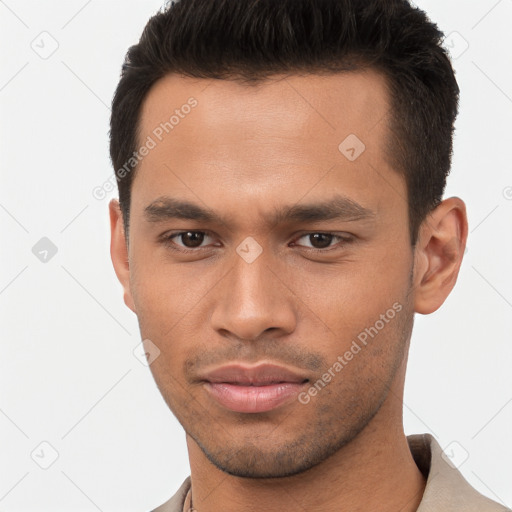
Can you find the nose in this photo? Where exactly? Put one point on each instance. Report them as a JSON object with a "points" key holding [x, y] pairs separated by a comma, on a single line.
{"points": [[252, 301]]}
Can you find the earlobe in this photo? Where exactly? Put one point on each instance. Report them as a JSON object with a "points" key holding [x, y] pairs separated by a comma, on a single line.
{"points": [[438, 254], [119, 251]]}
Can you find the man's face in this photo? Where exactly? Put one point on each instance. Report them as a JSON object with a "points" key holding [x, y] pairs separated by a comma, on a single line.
{"points": [[270, 278]]}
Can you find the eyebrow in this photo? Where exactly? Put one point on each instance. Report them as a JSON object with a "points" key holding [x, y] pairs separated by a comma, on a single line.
{"points": [[339, 208]]}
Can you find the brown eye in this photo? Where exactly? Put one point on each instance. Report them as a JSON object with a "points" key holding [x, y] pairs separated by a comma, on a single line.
{"points": [[191, 242], [191, 239], [186, 240], [320, 240]]}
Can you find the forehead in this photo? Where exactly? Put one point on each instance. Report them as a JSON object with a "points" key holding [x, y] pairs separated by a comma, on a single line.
{"points": [[264, 140], [281, 106]]}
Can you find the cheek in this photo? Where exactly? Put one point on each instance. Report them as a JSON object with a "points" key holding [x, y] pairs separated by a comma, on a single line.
{"points": [[169, 302], [352, 298], [164, 293], [362, 363]]}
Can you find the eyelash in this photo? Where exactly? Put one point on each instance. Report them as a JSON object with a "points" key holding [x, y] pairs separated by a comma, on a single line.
{"points": [[167, 240]]}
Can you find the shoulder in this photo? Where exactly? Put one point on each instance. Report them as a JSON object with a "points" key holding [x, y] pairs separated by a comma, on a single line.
{"points": [[175, 503], [446, 489]]}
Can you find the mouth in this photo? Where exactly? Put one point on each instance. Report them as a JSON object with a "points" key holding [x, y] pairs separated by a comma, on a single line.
{"points": [[253, 389], [260, 384]]}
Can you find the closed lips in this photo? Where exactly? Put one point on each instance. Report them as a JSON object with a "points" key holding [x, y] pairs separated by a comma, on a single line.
{"points": [[261, 375]]}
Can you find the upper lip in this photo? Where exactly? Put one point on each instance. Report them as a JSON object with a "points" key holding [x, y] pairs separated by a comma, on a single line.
{"points": [[262, 374]]}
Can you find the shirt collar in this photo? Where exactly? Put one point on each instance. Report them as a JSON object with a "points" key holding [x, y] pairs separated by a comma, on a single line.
{"points": [[446, 489]]}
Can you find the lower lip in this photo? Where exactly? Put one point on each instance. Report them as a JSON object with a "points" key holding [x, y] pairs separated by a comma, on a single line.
{"points": [[253, 398]]}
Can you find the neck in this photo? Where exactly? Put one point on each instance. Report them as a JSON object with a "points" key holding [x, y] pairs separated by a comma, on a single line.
{"points": [[393, 483]]}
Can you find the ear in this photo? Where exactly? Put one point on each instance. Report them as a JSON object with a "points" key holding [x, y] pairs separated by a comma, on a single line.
{"points": [[438, 254], [119, 251]]}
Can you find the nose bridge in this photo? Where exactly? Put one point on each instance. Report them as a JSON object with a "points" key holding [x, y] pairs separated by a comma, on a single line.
{"points": [[252, 284], [253, 299]]}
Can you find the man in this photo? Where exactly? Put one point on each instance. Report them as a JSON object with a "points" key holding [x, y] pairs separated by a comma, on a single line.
{"points": [[281, 167]]}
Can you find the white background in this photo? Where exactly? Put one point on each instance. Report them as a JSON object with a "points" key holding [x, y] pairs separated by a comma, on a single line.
{"points": [[68, 375]]}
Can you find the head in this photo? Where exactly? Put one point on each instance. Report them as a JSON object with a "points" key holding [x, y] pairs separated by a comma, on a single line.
{"points": [[301, 149]]}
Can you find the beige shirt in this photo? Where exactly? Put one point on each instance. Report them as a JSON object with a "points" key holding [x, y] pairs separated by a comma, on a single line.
{"points": [[446, 489]]}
